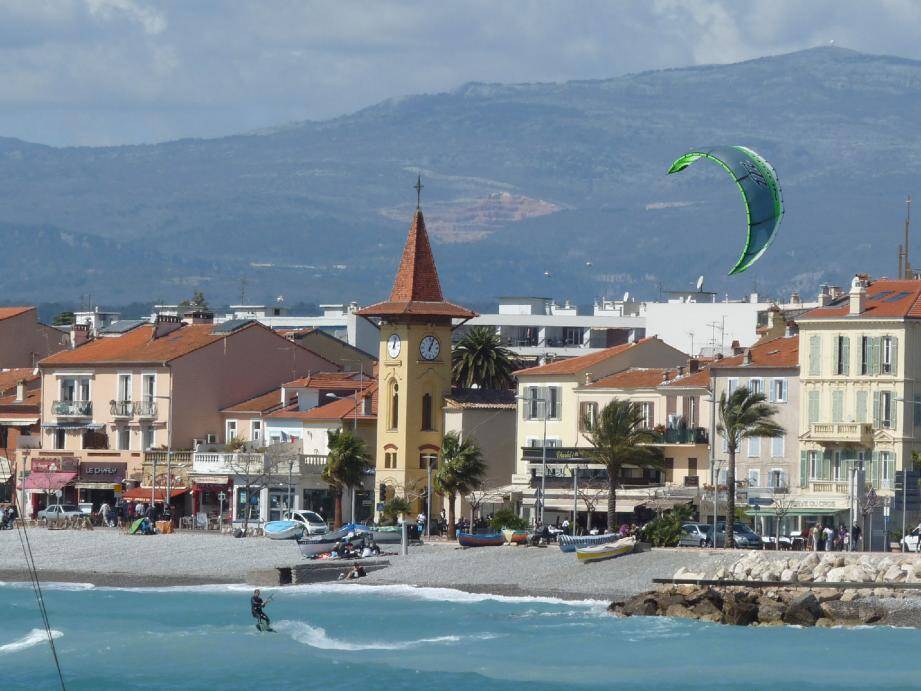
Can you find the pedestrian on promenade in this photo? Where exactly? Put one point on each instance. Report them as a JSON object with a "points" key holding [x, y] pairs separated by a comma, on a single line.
{"points": [[816, 535], [829, 535], [855, 537]]}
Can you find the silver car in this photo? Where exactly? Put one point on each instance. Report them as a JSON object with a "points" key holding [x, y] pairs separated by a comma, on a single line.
{"points": [[695, 535], [313, 523]]}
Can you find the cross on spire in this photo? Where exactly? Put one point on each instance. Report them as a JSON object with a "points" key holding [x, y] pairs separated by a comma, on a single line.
{"points": [[418, 187]]}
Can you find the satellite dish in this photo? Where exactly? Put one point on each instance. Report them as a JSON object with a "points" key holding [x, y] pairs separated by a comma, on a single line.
{"points": [[547, 274], [626, 296], [280, 299], [588, 263], [700, 284]]}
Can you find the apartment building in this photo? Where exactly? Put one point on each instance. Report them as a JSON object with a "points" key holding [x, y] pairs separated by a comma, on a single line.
{"points": [[118, 401], [860, 405], [20, 403], [24, 340]]}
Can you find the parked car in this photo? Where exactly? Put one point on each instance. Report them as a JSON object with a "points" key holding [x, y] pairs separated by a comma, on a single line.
{"points": [[912, 541], [312, 521], [695, 535], [56, 512], [742, 535]]}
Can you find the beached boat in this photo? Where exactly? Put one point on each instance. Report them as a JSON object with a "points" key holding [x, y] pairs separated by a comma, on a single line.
{"points": [[318, 544], [283, 530], [388, 534], [515, 537], [569, 543], [488, 540], [606, 551]]}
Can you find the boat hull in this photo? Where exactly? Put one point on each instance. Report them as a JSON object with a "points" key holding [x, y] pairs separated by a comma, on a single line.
{"points": [[283, 530], [470, 540], [319, 544], [515, 537], [568, 543], [607, 551]]}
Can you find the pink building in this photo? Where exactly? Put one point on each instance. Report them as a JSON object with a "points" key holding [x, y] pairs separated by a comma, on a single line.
{"points": [[24, 340]]}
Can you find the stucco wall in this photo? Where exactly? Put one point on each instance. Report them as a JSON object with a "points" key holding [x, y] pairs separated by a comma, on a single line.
{"points": [[24, 341]]}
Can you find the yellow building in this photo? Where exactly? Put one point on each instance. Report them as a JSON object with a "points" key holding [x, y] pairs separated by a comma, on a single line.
{"points": [[414, 372]]}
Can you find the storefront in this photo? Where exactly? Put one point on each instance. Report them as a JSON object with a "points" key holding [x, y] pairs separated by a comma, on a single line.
{"points": [[211, 494], [100, 482], [51, 481]]}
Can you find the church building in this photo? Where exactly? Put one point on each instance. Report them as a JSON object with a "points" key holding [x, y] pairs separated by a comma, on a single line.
{"points": [[414, 372]]}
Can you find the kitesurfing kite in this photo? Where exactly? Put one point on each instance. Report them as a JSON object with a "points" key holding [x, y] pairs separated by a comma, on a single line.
{"points": [[760, 190]]}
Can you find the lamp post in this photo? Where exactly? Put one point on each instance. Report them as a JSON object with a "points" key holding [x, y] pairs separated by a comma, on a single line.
{"points": [[543, 455], [290, 468], [904, 482], [220, 513], [169, 456]]}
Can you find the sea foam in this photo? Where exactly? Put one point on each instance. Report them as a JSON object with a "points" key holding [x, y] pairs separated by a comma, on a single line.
{"points": [[316, 637], [34, 637]]}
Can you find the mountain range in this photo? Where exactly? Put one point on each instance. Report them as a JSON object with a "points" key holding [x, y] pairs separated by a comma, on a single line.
{"points": [[539, 189]]}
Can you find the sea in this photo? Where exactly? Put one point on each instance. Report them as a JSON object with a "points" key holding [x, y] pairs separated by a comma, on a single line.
{"points": [[352, 636]]}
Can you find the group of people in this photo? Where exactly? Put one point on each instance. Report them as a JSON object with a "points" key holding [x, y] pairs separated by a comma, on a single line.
{"points": [[348, 549], [828, 539], [8, 515]]}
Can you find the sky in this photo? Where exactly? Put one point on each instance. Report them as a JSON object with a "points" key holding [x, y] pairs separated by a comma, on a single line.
{"points": [[104, 72]]}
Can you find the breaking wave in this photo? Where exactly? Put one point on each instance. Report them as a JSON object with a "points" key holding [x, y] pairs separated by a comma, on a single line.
{"points": [[33, 638], [316, 637]]}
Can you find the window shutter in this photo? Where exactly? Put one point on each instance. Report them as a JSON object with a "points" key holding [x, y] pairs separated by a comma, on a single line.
{"points": [[783, 389], [526, 404], [894, 356], [893, 411], [876, 409], [836, 346], [814, 355], [874, 355], [873, 473], [772, 390], [803, 470], [826, 464], [862, 406], [846, 355], [837, 406]]}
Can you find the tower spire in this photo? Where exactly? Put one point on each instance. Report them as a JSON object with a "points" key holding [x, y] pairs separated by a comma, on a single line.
{"points": [[418, 187]]}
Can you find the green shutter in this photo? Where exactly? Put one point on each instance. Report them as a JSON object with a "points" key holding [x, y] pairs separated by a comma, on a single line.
{"points": [[837, 406], [826, 465], [803, 470], [862, 406], [894, 356], [893, 411], [846, 355], [876, 409], [873, 473], [874, 356], [834, 354], [814, 355]]}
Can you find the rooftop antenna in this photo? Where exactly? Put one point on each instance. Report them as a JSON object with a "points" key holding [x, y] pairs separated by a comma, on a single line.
{"points": [[907, 273], [243, 291], [700, 284], [418, 187]]}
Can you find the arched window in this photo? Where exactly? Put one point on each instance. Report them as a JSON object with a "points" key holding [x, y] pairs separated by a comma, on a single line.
{"points": [[427, 412], [394, 405]]}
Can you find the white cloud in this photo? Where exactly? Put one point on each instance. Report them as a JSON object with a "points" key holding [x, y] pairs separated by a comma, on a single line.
{"points": [[104, 71]]}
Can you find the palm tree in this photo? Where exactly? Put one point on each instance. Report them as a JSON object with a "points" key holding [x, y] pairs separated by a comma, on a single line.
{"points": [[462, 470], [619, 437], [479, 359], [743, 415], [345, 465]]}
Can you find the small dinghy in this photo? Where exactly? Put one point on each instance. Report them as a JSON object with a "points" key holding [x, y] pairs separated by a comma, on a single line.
{"points": [[283, 530], [488, 540], [569, 543], [606, 551], [515, 537], [319, 544]]}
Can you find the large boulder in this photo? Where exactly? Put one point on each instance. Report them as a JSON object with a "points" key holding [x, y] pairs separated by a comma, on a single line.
{"points": [[642, 605], [894, 574], [803, 610], [787, 574], [836, 574], [709, 594], [681, 611], [840, 612], [705, 609], [739, 609], [770, 611]]}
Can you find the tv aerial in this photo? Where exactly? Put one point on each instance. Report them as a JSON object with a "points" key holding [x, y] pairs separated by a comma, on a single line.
{"points": [[700, 283]]}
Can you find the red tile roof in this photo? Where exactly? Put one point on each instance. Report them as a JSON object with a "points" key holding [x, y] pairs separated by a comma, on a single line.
{"points": [[339, 409], [778, 352], [578, 364], [486, 399], [7, 312], [330, 380], [634, 378], [263, 403], [138, 345], [10, 377], [697, 380], [416, 288], [885, 298]]}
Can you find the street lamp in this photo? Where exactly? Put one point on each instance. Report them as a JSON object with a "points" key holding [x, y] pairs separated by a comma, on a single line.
{"points": [[220, 514], [169, 456], [543, 455]]}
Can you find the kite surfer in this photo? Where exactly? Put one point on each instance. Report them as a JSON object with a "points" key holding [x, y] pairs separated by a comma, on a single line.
{"points": [[256, 605]]}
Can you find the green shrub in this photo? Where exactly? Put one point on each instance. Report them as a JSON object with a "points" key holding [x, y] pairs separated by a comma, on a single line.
{"points": [[393, 508], [507, 519], [665, 530]]}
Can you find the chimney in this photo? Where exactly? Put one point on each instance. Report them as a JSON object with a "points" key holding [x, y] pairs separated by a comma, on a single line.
{"points": [[680, 371], [693, 365], [736, 348], [665, 375], [858, 296], [824, 295], [20, 391], [747, 357], [794, 298], [165, 324], [588, 378], [79, 334], [791, 330], [198, 316]]}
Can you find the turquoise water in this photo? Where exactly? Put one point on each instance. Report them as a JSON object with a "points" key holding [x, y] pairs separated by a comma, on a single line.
{"points": [[354, 636]]}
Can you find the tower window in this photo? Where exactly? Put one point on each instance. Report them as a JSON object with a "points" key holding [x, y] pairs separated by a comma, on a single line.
{"points": [[427, 412], [394, 405]]}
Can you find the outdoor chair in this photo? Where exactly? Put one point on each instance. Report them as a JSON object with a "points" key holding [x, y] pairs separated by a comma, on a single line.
{"points": [[201, 521]]}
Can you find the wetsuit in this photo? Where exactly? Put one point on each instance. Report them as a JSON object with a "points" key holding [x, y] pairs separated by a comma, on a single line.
{"points": [[256, 605]]}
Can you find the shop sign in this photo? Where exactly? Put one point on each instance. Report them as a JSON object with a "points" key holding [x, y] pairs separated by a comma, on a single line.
{"points": [[102, 471], [55, 465]]}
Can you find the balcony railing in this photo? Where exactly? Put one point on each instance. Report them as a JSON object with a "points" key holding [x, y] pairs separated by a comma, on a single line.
{"points": [[690, 435], [828, 486], [120, 408], [174, 457], [73, 408], [145, 408], [841, 432]]}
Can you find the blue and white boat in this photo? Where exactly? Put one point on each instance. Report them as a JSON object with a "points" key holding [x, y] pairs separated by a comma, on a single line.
{"points": [[570, 543], [283, 530]]}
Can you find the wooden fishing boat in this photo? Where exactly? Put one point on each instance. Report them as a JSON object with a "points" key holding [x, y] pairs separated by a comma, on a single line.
{"points": [[319, 544], [606, 551], [283, 530], [488, 540], [570, 543], [515, 537]]}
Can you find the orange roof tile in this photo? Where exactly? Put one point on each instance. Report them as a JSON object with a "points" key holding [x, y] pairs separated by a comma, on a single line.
{"points": [[697, 380], [338, 409], [416, 288], [634, 378], [578, 364], [331, 380], [10, 377], [885, 298], [778, 352], [7, 312], [138, 345], [263, 403]]}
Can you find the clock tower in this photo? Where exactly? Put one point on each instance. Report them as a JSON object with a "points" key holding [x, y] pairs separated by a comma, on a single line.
{"points": [[414, 372]]}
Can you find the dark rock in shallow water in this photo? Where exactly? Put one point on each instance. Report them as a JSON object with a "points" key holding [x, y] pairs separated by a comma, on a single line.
{"points": [[803, 610], [739, 609], [770, 611], [642, 605]]}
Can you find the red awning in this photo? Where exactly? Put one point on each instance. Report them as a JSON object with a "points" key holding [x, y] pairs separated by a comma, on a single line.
{"points": [[143, 494], [49, 481]]}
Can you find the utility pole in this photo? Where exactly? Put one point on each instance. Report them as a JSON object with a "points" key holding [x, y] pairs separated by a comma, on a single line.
{"points": [[907, 273]]}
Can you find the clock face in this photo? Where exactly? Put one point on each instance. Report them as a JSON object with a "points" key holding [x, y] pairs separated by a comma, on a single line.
{"points": [[393, 346], [429, 348]]}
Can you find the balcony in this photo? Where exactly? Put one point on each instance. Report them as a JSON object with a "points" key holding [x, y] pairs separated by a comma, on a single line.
{"points": [[145, 408], [828, 487], [690, 435], [842, 432], [183, 458], [120, 408], [72, 408]]}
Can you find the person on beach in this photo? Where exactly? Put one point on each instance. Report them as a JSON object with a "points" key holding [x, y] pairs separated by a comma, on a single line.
{"points": [[256, 604], [829, 534]]}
